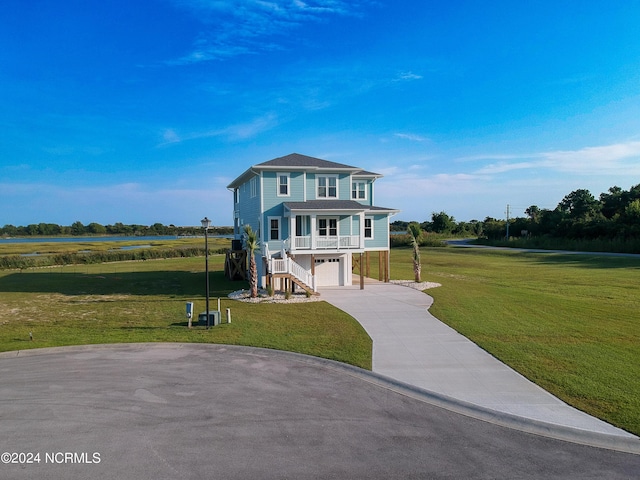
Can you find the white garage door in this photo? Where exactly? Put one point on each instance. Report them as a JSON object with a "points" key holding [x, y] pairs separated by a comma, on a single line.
{"points": [[328, 272]]}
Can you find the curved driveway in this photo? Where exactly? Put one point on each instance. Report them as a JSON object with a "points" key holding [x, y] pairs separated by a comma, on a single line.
{"points": [[198, 411], [414, 347]]}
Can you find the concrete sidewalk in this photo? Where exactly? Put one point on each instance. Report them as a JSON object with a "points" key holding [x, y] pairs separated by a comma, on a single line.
{"points": [[414, 347]]}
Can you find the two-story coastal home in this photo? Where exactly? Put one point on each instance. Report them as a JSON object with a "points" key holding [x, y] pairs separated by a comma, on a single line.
{"points": [[311, 216]]}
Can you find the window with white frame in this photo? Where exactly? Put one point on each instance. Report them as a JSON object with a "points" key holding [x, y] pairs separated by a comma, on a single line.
{"points": [[253, 184], [283, 184], [328, 186], [368, 227], [359, 190], [274, 228], [328, 227]]}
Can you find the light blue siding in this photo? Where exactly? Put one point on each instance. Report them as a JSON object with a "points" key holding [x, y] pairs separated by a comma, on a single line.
{"points": [[344, 188], [249, 206], [380, 238]]}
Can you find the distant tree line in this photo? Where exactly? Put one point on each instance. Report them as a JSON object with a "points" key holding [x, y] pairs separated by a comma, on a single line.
{"points": [[79, 229], [614, 217], [442, 223]]}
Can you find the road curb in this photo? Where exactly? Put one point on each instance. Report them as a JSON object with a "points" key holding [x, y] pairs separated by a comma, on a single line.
{"points": [[627, 444]]}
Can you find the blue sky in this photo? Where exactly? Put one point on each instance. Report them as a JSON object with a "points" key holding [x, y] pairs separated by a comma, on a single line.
{"points": [[142, 112]]}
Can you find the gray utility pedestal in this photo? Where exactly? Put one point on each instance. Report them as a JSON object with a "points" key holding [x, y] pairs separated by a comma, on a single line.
{"points": [[214, 318]]}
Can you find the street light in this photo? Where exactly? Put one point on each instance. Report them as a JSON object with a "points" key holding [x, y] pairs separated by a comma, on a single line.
{"points": [[206, 223]]}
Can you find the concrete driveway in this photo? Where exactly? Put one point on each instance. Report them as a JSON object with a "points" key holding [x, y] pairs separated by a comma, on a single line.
{"points": [[412, 346], [168, 411]]}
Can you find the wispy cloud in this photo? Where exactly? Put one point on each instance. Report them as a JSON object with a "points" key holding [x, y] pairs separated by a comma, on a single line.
{"points": [[241, 27], [239, 131], [407, 76], [618, 157], [411, 136]]}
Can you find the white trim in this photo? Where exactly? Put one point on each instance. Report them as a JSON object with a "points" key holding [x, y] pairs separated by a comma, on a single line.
{"points": [[304, 186], [337, 187], [370, 218], [279, 220], [288, 177], [364, 183], [328, 226]]}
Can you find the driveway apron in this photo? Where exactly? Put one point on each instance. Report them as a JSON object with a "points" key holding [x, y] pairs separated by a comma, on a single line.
{"points": [[412, 346]]}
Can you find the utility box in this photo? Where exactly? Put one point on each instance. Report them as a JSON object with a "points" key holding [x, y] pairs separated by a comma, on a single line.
{"points": [[214, 318]]}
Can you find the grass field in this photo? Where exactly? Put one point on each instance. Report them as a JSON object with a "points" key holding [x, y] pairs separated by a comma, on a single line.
{"points": [[570, 323], [145, 302]]}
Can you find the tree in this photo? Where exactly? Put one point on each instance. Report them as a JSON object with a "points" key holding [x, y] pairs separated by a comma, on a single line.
{"points": [[252, 243], [442, 223], [580, 205], [96, 228], [613, 202], [414, 230], [77, 228], [533, 212]]}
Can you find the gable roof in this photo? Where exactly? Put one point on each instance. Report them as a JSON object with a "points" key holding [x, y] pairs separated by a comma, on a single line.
{"points": [[297, 161]]}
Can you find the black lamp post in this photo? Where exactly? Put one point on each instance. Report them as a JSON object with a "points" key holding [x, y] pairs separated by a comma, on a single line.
{"points": [[206, 223]]}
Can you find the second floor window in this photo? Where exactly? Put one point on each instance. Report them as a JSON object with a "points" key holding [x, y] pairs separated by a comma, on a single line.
{"points": [[328, 187], [359, 191], [283, 185]]}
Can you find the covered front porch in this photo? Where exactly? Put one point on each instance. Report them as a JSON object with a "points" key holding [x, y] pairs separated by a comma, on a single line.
{"points": [[335, 229]]}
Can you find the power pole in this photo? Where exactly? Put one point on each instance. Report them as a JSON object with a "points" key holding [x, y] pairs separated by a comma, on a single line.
{"points": [[507, 222]]}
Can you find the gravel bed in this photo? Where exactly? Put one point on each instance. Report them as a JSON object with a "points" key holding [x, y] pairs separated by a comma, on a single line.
{"points": [[418, 286], [300, 297], [278, 297]]}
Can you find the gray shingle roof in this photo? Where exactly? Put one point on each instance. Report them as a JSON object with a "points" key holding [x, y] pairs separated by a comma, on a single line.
{"points": [[334, 205], [297, 160]]}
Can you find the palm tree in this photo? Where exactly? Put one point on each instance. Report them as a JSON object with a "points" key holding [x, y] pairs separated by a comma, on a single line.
{"points": [[251, 242], [415, 231]]}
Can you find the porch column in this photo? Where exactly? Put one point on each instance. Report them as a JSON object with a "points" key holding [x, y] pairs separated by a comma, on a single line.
{"points": [[292, 233], [313, 231]]}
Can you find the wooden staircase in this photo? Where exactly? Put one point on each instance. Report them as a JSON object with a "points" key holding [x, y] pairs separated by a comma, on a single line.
{"points": [[292, 272]]}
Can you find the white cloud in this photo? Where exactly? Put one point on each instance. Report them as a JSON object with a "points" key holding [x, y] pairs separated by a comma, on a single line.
{"points": [[170, 136], [594, 160], [411, 136], [614, 158], [406, 76], [240, 131], [242, 26]]}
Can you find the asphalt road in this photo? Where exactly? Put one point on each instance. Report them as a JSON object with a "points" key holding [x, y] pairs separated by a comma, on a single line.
{"points": [[167, 411], [465, 243]]}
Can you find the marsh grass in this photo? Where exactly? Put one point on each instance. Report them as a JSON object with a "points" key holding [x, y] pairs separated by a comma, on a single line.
{"points": [[44, 254], [570, 323], [145, 302]]}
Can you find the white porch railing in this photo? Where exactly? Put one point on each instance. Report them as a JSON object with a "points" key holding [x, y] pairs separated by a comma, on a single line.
{"points": [[291, 267], [325, 243]]}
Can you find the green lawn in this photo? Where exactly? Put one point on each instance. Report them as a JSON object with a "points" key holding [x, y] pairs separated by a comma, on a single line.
{"points": [[570, 323], [145, 302]]}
